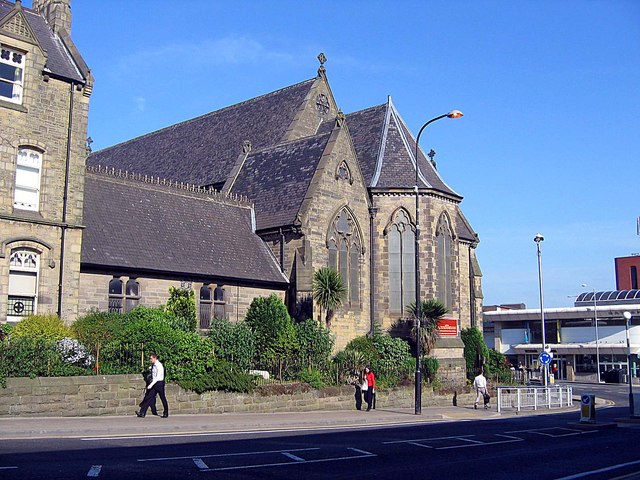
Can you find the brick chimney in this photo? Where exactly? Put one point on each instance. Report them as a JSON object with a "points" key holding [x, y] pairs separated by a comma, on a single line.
{"points": [[57, 13]]}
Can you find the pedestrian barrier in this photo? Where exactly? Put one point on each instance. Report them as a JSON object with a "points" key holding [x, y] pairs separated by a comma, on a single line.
{"points": [[534, 398]]}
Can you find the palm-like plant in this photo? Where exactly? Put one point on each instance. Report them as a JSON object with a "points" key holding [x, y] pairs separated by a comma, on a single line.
{"points": [[431, 311], [328, 291]]}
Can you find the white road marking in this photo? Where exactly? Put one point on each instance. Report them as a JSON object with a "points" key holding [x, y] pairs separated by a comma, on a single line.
{"points": [[200, 464], [94, 471], [600, 470], [428, 439], [7, 468], [260, 452], [293, 457], [284, 464]]}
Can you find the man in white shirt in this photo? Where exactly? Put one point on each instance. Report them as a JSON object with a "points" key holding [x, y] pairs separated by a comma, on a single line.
{"points": [[156, 387], [480, 384]]}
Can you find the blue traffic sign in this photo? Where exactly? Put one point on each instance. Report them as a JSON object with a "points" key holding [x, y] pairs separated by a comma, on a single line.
{"points": [[544, 358]]}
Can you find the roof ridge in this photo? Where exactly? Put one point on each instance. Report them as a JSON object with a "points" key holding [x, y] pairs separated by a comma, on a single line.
{"points": [[368, 108], [204, 115], [234, 199]]}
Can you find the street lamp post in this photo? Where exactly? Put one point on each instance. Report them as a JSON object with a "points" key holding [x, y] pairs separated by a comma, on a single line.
{"points": [[418, 380], [595, 319], [538, 239], [627, 321]]}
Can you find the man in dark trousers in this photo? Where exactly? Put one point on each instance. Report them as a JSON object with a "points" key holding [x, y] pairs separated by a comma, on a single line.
{"points": [[156, 387]]}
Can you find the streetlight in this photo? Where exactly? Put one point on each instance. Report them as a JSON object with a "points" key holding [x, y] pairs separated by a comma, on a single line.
{"points": [[595, 319], [538, 239], [418, 381], [627, 318]]}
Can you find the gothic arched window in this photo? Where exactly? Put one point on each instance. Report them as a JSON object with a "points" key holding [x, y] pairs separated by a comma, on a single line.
{"points": [[401, 239], [115, 295], [132, 294], [345, 251], [443, 256]]}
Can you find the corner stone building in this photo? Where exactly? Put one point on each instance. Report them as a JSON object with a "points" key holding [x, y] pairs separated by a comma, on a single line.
{"points": [[244, 201]]}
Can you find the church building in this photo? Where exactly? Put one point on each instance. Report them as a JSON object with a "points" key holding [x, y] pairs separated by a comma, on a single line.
{"points": [[241, 202]]}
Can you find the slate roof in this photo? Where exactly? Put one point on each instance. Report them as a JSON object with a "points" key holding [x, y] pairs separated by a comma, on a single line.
{"points": [[59, 60], [277, 179], [385, 148], [154, 228], [202, 151]]}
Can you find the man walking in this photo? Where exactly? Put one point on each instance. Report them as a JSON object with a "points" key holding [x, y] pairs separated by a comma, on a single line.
{"points": [[156, 387], [480, 384]]}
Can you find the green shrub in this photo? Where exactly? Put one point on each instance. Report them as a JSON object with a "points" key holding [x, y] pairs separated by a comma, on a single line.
{"points": [[233, 342], [182, 304], [97, 328], [365, 346], [47, 327], [34, 357], [475, 350], [430, 366], [219, 375], [276, 343], [315, 343], [160, 315], [391, 354], [313, 377]]}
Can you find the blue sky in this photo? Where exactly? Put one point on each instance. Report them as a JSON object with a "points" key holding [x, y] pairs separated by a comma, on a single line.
{"points": [[549, 142]]}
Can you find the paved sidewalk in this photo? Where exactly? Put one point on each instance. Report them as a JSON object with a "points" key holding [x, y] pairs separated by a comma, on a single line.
{"points": [[55, 427]]}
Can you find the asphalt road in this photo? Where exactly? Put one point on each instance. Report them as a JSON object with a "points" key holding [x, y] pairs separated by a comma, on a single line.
{"points": [[539, 446]]}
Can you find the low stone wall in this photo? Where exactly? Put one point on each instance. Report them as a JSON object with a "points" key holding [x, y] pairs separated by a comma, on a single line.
{"points": [[120, 395]]}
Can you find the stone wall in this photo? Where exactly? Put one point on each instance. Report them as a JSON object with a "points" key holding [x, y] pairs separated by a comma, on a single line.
{"points": [[120, 395]]}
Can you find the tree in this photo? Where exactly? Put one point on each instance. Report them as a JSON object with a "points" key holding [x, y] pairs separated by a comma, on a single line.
{"points": [[475, 350], [182, 303], [431, 311], [328, 291], [275, 333]]}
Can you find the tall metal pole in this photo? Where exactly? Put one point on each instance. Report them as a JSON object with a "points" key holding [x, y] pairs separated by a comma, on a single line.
{"points": [[418, 313], [595, 319], [627, 321], [538, 239]]}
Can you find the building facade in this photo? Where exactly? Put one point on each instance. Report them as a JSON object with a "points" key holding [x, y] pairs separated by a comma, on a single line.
{"points": [[248, 200], [587, 341]]}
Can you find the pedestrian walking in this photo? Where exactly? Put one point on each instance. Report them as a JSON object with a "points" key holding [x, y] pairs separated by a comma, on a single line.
{"points": [[156, 387], [370, 395], [148, 378], [480, 384]]}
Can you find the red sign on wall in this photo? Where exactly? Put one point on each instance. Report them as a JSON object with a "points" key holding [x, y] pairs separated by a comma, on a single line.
{"points": [[448, 327]]}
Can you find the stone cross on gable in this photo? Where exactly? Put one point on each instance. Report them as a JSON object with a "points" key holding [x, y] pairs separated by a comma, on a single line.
{"points": [[322, 59], [432, 155]]}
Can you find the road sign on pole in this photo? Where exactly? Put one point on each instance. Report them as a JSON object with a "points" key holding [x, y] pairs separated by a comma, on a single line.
{"points": [[544, 358]]}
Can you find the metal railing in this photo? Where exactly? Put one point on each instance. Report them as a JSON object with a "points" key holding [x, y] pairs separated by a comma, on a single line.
{"points": [[534, 398]]}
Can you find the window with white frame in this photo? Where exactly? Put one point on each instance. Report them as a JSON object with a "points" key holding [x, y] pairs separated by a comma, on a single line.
{"points": [[11, 75], [27, 186], [24, 266]]}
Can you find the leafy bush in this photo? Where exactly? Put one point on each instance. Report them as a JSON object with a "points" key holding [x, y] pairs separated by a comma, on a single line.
{"points": [[97, 328], [276, 342], [233, 342], [475, 350], [219, 375], [430, 366], [315, 344], [392, 354], [46, 327], [182, 304], [160, 315], [34, 357], [313, 377]]}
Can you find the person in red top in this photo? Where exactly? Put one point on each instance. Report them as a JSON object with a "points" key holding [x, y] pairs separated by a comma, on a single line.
{"points": [[370, 394]]}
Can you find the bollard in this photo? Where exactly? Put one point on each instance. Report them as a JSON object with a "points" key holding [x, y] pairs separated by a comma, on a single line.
{"points": [[588, 408]]}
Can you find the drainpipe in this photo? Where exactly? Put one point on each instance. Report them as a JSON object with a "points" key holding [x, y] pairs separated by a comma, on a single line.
{"points": [[372, 214], [63, 228], [472, 293], [281, 250]]}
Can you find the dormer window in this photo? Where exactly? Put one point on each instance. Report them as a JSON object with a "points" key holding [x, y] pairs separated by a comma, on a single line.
{"points": [[11, 75]]}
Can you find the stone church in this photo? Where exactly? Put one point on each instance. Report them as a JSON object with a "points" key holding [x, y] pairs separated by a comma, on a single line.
{"points": [[241, 202]]}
